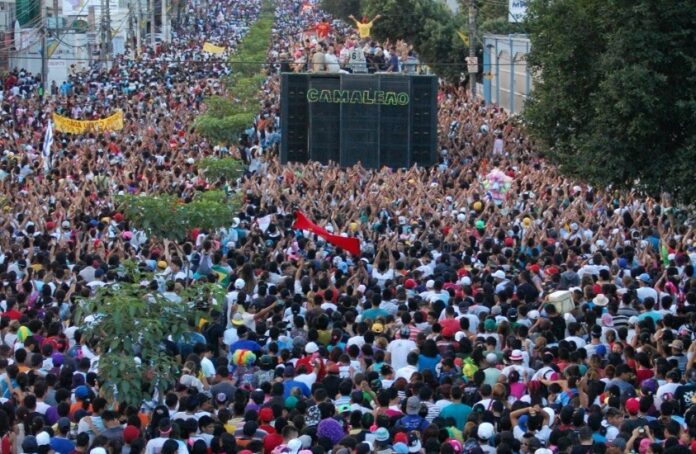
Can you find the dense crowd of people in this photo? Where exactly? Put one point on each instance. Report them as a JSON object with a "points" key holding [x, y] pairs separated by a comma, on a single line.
{"points": [[496, 306]]}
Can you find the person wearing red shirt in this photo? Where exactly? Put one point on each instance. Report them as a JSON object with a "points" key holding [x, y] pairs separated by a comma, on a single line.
{"points": [[312, 361], [323, 28], [11, 312], [265, 418], [284, 433]]}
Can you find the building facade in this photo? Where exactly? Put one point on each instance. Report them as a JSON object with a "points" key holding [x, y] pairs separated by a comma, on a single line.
{"points": [[507, 81]]}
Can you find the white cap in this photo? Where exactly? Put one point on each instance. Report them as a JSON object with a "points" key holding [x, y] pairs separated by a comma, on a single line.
{"points": [[311, 347], [239, 284], [485, 430], [43, 439], [499, 274], [465, 280], [543, 451], [361, 288], [533, 315], [430, 284]]}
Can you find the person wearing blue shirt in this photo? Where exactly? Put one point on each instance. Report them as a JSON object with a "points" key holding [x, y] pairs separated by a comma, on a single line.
{"points": [[247, 341], [429, 357], [60, 443], [289, 383]]}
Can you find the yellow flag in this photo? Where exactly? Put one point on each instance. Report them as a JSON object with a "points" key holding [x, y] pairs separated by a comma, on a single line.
{"points": [[213, 49], [464, 37]]}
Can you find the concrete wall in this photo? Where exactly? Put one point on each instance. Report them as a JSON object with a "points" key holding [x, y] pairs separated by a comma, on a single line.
{"points": [[507, 81]]}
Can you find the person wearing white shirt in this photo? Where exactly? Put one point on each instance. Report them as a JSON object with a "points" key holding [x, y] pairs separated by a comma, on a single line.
{"points": [[501, 281], [398, 349], [410, 369], [644, 289], [207, 366], [574, 330], [308, 378], [667, 390], [517, 357]]}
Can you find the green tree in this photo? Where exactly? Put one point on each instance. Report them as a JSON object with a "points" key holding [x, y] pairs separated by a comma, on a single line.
{"points": [[227, 117], [341, 9], [167, 216], [130, 320], [500, 26], [613, 99], [426, 24], [224, 130], [221, 169]]}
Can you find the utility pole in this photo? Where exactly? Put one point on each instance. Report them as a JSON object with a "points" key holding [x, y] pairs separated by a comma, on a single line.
{"points": [[153, 42], [105, 34], [131, 30], [138, 28], [44, 46], [165, 24], [472, 64]]}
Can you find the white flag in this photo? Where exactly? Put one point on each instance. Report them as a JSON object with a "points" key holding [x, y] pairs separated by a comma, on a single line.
{"points": [[264, 222], [46, 152]]}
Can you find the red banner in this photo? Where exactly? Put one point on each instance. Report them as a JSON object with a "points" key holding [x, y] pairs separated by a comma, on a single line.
{"points": [[351, 245]]}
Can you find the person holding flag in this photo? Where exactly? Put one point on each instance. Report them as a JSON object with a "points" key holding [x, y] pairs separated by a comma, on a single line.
{"points": [[48, 143]]}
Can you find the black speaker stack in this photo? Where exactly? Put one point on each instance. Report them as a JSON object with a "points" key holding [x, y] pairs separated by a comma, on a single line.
{"points": [[376, 119]]}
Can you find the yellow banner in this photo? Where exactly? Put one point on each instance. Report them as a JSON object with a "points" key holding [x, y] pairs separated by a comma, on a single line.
{"points": [[213, 49], [111, 123]]}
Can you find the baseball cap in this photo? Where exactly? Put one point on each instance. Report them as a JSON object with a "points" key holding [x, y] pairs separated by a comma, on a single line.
{"points": [[382, 434], [43, 439], [645, 277], [311, 348], [81, 392], [485, 430], [632, 405], [63, 423], [401, 437], [677, 344], [239, 284], [400, 448], [266, 414]]}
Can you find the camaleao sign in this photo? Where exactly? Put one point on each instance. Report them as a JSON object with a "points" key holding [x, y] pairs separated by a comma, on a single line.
{"points": [[386, 98]]}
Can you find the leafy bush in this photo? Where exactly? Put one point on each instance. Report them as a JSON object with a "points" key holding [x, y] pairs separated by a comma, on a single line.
{"points": [[227, 118], [223, 169]]}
